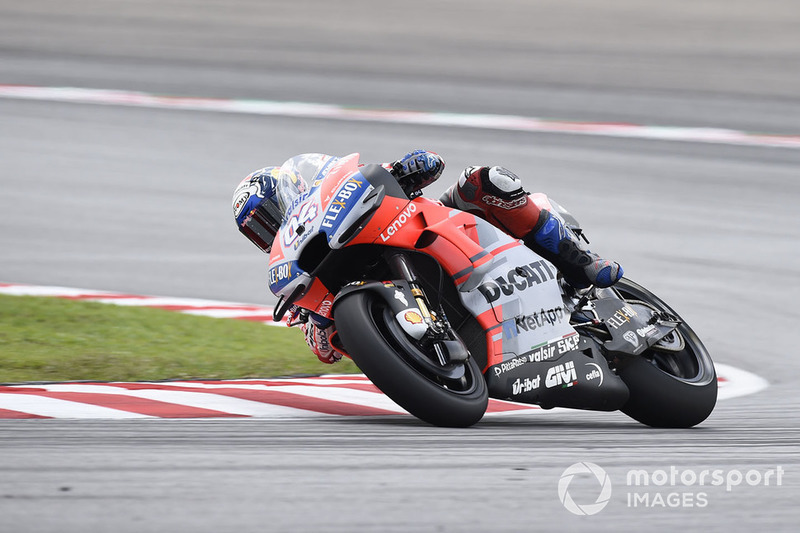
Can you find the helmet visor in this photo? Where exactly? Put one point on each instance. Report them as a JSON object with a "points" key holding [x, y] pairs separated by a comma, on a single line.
{"points": [[262, 225]]}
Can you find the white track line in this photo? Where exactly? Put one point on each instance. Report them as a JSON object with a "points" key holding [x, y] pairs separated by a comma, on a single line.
{"points": [[456, 120]]}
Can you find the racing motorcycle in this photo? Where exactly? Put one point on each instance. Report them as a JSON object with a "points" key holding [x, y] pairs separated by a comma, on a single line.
{"points": [[442, 310]]}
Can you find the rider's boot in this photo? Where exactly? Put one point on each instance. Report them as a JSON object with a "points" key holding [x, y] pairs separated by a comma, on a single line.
{"points": [[559, 245], [496, 194]]}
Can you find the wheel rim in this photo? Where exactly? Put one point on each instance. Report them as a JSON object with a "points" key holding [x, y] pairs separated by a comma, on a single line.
{"points": [[683, 357], [456, 378]]}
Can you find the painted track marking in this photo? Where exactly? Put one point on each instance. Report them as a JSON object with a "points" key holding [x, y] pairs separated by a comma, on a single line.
{"points": [[453, 120], [193, 306], [342, 395]]}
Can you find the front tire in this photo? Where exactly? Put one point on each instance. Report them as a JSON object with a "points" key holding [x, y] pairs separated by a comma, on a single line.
{"points": [[389, 358], [674, 386]]}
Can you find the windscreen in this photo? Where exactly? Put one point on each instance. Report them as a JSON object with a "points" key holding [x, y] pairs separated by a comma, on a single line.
{"points": [[296, 173]]}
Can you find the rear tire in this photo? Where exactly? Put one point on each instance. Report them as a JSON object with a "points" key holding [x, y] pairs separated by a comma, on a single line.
{"points": [[668, 388], [370, 334]]}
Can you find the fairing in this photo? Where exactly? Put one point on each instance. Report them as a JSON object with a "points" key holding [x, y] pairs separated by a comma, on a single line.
{"points": [[532, 352]]}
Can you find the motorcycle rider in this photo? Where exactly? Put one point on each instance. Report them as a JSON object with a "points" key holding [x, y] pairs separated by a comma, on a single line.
{"points": [[492, 193]]}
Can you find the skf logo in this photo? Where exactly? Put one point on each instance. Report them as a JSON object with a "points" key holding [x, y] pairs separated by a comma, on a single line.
{"points": [[563, 375]]}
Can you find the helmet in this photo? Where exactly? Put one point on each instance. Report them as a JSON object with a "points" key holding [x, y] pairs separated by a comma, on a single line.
{"points": [[256, 209]]}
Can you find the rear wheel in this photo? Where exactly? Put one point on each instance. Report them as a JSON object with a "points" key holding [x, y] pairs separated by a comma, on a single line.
{"points": [[451, 395], [673, 384]]}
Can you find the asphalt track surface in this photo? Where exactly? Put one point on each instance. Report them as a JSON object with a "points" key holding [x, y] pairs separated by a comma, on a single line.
{"points": [[137, 200]]}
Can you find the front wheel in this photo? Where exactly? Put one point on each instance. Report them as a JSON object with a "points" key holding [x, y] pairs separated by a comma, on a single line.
{"points": [[451, 396], [673, 384]]}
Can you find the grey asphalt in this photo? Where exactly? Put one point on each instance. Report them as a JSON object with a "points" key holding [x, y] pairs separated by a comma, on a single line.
{"points": [[138, 200]]}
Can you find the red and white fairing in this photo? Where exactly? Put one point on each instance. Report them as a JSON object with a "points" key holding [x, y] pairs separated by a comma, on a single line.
{"points": [[512, 292]]}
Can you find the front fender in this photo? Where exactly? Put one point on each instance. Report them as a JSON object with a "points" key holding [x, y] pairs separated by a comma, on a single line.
{"points": [[397, 295]]}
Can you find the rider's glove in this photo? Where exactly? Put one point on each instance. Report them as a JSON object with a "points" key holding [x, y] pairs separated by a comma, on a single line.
{"points": [[318, 331], [297, 315], [417, 170]]}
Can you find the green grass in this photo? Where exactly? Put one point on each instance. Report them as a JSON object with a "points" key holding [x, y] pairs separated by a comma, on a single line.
{"points": [[51, 339]]}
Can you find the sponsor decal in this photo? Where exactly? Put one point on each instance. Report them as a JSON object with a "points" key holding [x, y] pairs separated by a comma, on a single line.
{"points": [[595, 373], [302, 239], [568, 343], [342, 202], [412, 323], [412, 317], [297, 201], [399, 296], [561, 375], [517, 279], [514, 326], [647, 331], [430, 161], [325, 308], [631, 338], [621, 317], [240, 202], [511, 364], [280, 275], [502, 204], [542, 352], [399, 222], [554, 348], [305, 214], [525, 385], [321, 340], [319, 177]]}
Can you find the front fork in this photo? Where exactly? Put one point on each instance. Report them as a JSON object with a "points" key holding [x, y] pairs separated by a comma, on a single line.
{"points": [[402, 269], [444, 341]]}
